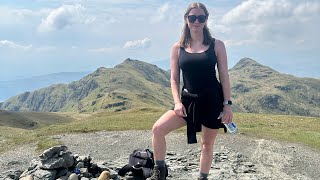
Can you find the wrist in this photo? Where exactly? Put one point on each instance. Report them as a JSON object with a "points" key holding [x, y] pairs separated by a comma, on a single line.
{"points": [[227, 102]]}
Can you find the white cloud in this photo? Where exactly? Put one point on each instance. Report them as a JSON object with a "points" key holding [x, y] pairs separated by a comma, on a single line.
{"points": [[19, 16], [138, 44], [273, 21], [258, 11], [161, 14], [65, 16], [10, 44]]}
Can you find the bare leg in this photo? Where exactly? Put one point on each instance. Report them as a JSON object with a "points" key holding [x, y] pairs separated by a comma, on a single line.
{"points": [[207, 141], [164, 125]]}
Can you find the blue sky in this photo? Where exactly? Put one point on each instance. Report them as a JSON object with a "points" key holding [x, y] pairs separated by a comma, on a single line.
{"points": [[48, 36]]}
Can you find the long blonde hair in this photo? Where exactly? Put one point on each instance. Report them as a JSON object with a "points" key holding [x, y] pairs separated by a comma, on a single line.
{"points": [[185, 40]]}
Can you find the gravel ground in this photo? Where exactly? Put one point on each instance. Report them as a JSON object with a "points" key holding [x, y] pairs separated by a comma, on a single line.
{"points": [[239, 157]]}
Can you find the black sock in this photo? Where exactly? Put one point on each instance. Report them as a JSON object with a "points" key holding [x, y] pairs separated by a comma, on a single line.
{"points": [[160, 163], [205, 175]]}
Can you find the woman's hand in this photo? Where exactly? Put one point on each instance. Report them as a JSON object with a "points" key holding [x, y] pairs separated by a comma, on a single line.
{"points": [[227, 114], [180, 110]]}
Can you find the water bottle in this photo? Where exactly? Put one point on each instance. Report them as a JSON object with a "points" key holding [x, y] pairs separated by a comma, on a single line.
{"points": [[232, 128]]}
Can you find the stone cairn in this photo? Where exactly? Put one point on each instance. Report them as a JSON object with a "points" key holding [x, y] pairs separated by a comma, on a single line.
{"points": [[58, 163]]}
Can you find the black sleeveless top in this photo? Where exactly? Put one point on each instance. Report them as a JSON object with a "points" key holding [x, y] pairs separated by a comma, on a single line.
{"points": [[198, 69], [202, 94]]}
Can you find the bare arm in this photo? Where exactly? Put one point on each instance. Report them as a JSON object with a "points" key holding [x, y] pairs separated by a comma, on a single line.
{"points": [[224, 79], [175, 73], [179, 109], [223, 69]]}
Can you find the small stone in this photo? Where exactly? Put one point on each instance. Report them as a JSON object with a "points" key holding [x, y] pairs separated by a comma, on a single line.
{"points": [[224, 157], [63, 178], [29, 177], [83, 170], [73, 176], [171, 153], [80, 165], [185, 168], [249, 164], [193, 163], [105, 175], [102, 166]]}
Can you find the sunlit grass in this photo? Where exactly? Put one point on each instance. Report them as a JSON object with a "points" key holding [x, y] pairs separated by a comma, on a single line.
{"points": [[298, 129]]}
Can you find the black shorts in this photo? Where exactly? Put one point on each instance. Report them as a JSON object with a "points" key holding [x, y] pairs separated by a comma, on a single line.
{"points": [[209, 105]]}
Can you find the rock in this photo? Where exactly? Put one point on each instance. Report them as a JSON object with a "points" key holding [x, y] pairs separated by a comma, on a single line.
{"points": [[84, 178], [73, 176], [28, 172], [52, 152], [63, 178], [80, 165], [61, 172], [29, 177], [102, 166], [85, 159], [13, 174], [56, 157], [44, 174], [105, 175]]}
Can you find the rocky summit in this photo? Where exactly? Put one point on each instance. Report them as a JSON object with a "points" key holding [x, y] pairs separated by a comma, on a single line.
{"points": [[59, 163], [100, 155]]}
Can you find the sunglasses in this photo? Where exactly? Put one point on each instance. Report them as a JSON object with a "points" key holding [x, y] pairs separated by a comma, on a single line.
{"points": [[193, 18]]}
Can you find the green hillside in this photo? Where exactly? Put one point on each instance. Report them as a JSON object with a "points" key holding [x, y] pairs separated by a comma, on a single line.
{"points": [[31, 120], [130, 84], [260, 89]]}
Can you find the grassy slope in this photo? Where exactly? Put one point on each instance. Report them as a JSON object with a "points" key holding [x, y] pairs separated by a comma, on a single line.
{"points": [[260, 89], [299, 129], [31, 120]]}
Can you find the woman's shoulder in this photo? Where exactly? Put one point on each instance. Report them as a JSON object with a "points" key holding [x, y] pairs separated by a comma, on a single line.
{"points": [[176, 45], [218, 44]]}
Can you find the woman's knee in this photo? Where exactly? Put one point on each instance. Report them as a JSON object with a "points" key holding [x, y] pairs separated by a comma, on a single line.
{"points": [[167, 123], [158, 129], [207, 146]]}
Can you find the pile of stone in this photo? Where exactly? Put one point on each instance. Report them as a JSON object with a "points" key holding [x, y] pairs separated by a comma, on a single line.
{"points": [[59, 163]]}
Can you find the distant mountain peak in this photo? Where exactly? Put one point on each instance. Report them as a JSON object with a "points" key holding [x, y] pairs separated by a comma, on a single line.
{"points": [[249, 68], [250, 63], [135, 63], [246, 62]]}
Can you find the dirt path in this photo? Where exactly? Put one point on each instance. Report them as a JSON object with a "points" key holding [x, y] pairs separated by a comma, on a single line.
{"points": [[241, 157]]}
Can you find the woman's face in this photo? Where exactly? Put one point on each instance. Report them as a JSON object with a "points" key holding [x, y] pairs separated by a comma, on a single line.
{"points": [[196, 19]]}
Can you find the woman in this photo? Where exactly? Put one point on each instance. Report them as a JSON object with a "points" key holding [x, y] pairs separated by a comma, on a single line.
{"points": [[203, 97]]}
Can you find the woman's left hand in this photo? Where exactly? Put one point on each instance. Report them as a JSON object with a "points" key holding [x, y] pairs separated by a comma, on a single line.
{"points": [[227, 114]]}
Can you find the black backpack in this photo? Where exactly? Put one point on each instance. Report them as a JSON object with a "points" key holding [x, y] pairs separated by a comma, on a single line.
{"points": [[141, 163]]}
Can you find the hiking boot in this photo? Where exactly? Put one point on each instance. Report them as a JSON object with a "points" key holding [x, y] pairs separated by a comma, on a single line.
{"points": [[202, 178], [158, 173]]}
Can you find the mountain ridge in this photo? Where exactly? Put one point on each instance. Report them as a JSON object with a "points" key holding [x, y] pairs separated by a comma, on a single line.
{"points": [[116, 88], [255, 88], [14, 87]]}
